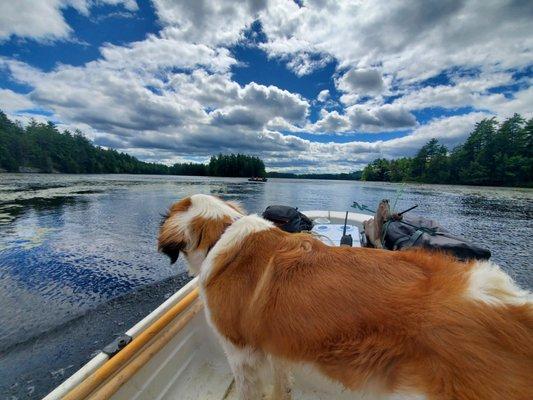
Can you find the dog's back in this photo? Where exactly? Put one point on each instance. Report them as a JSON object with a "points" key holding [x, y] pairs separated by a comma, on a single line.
{"points": [[399, 321]]}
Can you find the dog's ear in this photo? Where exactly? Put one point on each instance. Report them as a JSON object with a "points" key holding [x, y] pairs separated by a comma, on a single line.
{"points": [[171, 249], [169, 242]]}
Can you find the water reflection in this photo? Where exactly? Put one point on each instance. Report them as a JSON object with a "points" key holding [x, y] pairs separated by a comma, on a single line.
{"points": [[71, 246]]}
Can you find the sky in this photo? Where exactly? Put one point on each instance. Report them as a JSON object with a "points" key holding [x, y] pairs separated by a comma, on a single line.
{"points": [[308, 85]]}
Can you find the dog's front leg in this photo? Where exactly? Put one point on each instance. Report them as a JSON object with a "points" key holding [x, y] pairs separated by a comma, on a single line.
{"points": [[245, 364]]}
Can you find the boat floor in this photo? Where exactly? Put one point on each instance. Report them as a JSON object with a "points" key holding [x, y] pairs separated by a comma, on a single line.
{"points": [[207, 381], [193, 366]]}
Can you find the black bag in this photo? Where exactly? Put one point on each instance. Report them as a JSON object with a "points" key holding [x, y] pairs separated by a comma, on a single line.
{"points": [[288, 218], [423, 232]]}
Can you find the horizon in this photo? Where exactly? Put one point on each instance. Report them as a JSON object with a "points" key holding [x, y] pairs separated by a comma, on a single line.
{"points": [[301, 84]]}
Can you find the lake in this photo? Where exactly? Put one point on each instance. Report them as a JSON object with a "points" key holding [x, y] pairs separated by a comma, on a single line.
{"points": [[79, 263]]}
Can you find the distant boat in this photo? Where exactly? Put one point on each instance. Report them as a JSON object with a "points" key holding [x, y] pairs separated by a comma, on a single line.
{"points": [[257, 179]]}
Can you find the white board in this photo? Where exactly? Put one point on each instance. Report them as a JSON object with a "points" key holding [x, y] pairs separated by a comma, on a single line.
{"points": [[334, 233]]}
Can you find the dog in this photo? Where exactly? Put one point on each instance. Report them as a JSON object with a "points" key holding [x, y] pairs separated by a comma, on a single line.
{"points": [[410, 323]]}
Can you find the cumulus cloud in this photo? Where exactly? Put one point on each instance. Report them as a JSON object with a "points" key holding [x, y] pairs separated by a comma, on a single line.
{"points": [[350, 156], [361, 81], [412, 40], [172, 96], [43, 19], [386, 117], [164, 51], [323, 95], [188, 112], [11, 101], [361, 118], [208, 22], [331, 122], [257, 105]]}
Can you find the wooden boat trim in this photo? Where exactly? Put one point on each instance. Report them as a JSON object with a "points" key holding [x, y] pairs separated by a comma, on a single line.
{"points": [[110, 387], [101, 358], [115, 363]]}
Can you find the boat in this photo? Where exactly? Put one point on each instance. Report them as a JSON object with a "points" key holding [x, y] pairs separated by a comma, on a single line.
{"points": [[173, 354], [257, 179]]}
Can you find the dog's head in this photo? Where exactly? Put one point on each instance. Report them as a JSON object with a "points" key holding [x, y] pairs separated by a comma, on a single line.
{"points": [[193, 225]]}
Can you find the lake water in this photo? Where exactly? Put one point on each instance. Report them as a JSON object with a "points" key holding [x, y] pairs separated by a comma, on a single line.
{"points": [[79, 264]]}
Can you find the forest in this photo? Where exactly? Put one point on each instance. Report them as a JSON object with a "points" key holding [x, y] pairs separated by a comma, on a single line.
{"points": [[41, 147], [497, 154], [493, 154], [344, 176]]}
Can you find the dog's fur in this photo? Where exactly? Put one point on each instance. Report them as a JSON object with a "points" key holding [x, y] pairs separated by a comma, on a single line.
{"points": [[397, 322]]}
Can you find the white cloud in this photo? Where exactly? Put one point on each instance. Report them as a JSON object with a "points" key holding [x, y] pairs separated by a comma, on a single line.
{"points": [[346, 157], [188, 112], [323, 95], [412, 40], [208, 22], [172, 96], [11, 101], [386, 117], [363, 118], [43, 19], [474, 92], [504, 107], [450, 131], [165, 51], [361, 81], [303, 63], [256, 105]]}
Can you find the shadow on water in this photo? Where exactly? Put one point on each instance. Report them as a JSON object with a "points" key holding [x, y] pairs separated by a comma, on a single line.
{"points": [[21, 366]]}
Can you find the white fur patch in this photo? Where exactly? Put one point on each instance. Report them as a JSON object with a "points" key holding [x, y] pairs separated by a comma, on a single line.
{"points": [[235, 233], [203, 205], [489, 284], [311, 383], [246, 364]]}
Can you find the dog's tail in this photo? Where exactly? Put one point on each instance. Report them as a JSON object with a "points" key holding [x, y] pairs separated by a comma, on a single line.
{"points": [[480, 351]]}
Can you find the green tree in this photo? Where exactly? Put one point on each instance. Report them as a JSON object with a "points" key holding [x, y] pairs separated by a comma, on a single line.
{"points": [[377, 170]]}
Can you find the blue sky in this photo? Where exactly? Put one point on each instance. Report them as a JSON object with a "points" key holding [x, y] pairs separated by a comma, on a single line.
{"points": [[308, 86]]}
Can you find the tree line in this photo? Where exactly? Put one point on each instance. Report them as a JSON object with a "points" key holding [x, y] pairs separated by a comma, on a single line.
{"points": [[343, 176], [41, 147], [493, 154]]}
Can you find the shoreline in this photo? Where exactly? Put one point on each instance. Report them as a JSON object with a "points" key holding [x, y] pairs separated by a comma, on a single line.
{"points": [[269, 177]]}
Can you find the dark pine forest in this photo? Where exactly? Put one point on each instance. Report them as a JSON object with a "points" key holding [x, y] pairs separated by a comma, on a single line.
{"points": [[493, 154], [497, 154], [41, 147]]}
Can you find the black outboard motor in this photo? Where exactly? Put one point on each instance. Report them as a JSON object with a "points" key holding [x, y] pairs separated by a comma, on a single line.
{"points": [[288, 218]]}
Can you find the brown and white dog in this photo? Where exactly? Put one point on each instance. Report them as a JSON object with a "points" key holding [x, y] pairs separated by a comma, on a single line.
{"points": [[410, 323]]}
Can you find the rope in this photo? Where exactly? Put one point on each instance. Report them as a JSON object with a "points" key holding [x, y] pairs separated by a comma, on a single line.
{"points": [[362, 207], [319, 235], [399, 192]]}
